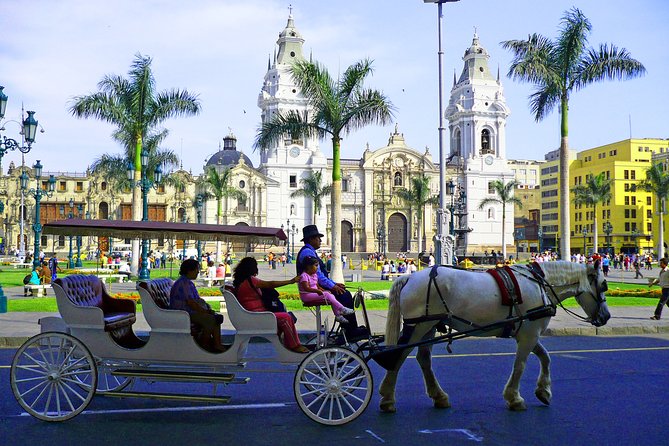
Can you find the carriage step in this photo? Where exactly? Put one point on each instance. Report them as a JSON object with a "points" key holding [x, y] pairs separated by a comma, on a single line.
{"points": [[174, 375], [171, 396]]}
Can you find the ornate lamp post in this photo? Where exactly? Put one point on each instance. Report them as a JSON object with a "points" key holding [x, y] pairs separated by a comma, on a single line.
{"points": [[585, 233], [294, 231], [37, 193], [183, 251], [70, 215], [540, 235], [450, 189], [287, 230], [608, 229], [199, 202], [145, 184], [442, 243], [78, 263]]}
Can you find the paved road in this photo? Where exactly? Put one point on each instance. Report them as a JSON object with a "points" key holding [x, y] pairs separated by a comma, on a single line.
{"points": [[607, 390]]}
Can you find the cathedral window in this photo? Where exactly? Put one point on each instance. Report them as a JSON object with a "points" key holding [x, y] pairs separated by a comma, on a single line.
{"points": [[486, 146], [491, 213], [293, 181], [457, 142], [398, 179], [345, 184]]}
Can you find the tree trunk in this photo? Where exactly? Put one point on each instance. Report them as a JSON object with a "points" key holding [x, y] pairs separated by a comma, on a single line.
{"points": [[337, 273], [660, 247], [595, 233], [219, 211], [565, 211], [503, 233], [136, 205]]}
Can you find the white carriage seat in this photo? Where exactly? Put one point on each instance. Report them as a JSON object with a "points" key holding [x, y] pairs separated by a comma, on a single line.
{"points": [[251, 323], [155, 297]]}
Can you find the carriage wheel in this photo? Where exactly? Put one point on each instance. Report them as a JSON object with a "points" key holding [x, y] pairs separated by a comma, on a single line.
{"points": [[333, 386], [106, 381], [46, 374]]}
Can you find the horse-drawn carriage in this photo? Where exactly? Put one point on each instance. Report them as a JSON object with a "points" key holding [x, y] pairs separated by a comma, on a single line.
{"points": [[92, 347]]}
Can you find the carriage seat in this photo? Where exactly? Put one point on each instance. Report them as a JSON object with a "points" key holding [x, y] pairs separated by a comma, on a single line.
{"points": [[88, 291], [159, 290], [155, 298]]}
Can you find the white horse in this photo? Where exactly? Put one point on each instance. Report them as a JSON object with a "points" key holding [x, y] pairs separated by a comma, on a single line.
{"points": [[476, 297]]}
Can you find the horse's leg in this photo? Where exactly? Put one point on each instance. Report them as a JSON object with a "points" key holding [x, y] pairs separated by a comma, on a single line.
{"points": [[543, 390], [432, 387], [387, 387], [524, 345]]}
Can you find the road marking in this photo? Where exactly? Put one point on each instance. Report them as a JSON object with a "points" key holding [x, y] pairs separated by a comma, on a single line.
{"points": [[470, 435], [554, 352], [369, 431], [178, 409]]}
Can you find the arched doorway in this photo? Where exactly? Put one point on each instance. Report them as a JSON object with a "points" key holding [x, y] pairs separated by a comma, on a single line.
{"points": [[103, 211], [346, 236], [240, 247], [397, 233]]}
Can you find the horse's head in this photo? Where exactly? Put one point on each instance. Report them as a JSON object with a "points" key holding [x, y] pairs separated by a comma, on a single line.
{"points": [[593, 299]]}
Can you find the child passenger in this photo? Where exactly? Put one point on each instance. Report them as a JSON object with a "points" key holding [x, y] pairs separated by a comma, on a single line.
{"points": [[312, 293]]}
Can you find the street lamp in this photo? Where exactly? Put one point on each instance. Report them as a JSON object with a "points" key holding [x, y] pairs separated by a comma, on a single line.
{"points": [[184, 219], [287, 230], [443, 257], [145, 184], [294, 229], [608, 229], [450, 189], [585, 233], [540, 234], [70, 215], [78, 263], [199, 202], [37, 193]]}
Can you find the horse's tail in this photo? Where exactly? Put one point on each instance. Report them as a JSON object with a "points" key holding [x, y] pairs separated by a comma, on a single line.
{"points": [[393, 321]]}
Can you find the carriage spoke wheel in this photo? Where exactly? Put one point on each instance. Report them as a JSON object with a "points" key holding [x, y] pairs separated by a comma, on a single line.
{"points": [[333, 386], [106, 381], [46, 376]]}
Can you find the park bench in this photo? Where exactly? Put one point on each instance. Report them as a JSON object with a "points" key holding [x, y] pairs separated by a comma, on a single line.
{"points": [[41, 289]]}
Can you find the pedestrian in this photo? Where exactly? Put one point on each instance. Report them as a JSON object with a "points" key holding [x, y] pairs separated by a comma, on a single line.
{"points": [[605, 265], [637, 268], [663, 281]]}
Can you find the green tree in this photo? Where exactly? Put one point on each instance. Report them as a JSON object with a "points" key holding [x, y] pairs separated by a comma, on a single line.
{"points": [[418, 196], [504, 196], [559, 68], [657, 182], [136, 109], [596, 190], [218, 185], [336, 107], [312, 187]]}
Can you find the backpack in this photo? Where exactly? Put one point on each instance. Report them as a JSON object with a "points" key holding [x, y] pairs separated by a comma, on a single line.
{"points": [[26, 279]]}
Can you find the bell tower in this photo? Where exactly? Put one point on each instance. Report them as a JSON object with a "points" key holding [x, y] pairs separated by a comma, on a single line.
{"points": [[476, 114]]}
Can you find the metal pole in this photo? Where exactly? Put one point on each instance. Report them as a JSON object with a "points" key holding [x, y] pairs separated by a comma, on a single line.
{"points": [[144, 270], [37, 226]]}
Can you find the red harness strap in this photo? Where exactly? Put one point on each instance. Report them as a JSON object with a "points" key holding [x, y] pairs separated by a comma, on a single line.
{"points": [[508, 285]]}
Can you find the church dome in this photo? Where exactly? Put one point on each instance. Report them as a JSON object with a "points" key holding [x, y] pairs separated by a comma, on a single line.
{"points": [[228, 156]]}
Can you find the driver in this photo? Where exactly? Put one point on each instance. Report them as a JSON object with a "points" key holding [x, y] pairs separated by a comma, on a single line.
{"points": [[312, 241]]}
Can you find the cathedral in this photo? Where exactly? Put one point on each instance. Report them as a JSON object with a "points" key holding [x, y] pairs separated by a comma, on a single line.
{"points": [[374, 217]]}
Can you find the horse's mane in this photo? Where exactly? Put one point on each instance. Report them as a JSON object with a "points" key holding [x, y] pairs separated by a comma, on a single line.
{"points": [[563, 273]]}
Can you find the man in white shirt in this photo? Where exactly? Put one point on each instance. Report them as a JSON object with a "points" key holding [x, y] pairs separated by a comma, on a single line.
{"points": [[125, 270]]}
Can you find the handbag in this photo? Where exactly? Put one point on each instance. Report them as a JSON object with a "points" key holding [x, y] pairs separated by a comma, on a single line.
{"points": [[271, 302]]}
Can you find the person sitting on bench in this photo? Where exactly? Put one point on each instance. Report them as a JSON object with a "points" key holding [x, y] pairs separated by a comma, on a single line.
{"points": [[184, 296]]}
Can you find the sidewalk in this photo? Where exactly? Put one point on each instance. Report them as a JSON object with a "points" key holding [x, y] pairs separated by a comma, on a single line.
{"points": [[16, 327]]}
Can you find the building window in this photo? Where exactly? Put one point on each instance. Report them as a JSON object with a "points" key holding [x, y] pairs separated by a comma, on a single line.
{"points": [[649, 213], [633, 201], [648, 201], [649, 227], [491, 188], [242, 184], [457, 138], [61, 241], [161, 188], [627, 201], [79, 187], [485, 142], [632, 174], [293, 181], [103, 185], [62, 186], [491, 213], [345, 184], [397, 179]]}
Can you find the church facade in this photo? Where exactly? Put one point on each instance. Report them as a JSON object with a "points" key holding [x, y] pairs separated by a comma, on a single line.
{"points": [[374, 217]]}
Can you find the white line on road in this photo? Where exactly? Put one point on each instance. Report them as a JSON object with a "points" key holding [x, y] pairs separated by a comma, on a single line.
{"points": [[554, 352], [470, 435], [369, 431], [179, 409]]}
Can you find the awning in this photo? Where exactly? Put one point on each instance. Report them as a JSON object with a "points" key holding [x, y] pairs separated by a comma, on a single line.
{"points": [[161, 229]]}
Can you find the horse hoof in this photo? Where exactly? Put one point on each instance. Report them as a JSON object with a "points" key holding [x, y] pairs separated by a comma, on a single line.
{"points": [[517, 406], [442, 403], [388, 407], [544, 396]]}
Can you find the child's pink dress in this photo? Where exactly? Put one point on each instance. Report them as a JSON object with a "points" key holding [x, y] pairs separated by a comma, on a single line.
{"points": [[313, 298]]}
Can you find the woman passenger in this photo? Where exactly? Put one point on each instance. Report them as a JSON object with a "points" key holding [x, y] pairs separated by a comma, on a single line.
{"points": [[248, 288]]}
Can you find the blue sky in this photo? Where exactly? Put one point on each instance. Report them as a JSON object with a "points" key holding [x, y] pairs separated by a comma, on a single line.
{"points": [[55, 50]]}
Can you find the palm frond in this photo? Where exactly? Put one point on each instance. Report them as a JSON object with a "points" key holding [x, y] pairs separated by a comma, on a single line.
{"points": [[572, 40], [607, 63]]}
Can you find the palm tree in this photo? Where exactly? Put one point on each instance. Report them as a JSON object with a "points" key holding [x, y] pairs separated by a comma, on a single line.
{"points": [[312, 187], [419, 195], [558, 68], [136, 109], [337, 107], [657, 182], [218, 185], [504, 196], [597, 189]]}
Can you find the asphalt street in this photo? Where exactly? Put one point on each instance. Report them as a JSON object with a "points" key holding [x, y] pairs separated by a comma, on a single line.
{"points": [[606, 390]]}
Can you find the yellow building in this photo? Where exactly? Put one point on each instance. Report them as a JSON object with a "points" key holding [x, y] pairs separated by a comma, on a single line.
{"points": [[550, 199], [630, 210], [526, 219]]}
